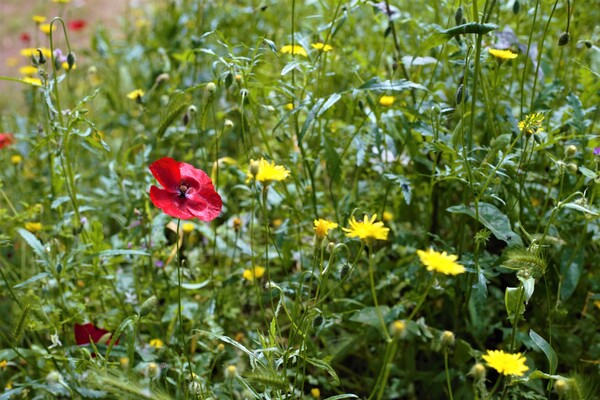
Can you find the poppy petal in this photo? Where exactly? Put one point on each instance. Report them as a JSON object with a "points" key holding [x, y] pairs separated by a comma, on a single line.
{"points": [[170, 203], [166, 172], [205, 205]]}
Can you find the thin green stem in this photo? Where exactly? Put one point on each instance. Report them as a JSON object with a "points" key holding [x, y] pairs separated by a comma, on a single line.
{"points": [[180, 308], [422, 299], [448, 384]]}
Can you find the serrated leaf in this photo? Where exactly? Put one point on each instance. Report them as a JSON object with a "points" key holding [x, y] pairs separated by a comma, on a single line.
{"points": [[546, 348], [493, 219]]}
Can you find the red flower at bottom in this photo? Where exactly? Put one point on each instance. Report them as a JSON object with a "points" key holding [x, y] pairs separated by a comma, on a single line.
{"points": [[85, 332], [188, 192], [76, 24], [6, 139]]}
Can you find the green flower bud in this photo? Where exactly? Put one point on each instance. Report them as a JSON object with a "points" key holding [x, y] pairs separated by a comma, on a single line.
{"points": [[148, 306], [564, 39]]}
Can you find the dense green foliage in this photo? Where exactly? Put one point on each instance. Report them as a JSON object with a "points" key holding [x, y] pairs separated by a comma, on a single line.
{"points": [[488, 157]]}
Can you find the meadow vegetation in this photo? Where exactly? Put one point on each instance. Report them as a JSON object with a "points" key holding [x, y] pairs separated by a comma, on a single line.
{"points": [[304, 199]]}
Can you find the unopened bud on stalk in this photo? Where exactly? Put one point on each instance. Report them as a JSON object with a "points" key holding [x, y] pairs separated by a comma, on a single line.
{"points": [[571, 150], [211, 87], [564, 39], [573, 168], [516, 7], [70, 60], [254, 167], [478, 371], [462, 94], [148, 306], [447, 339], [42, 58], [228, 124], [187, 117], [561, 386], [458, 16], [398, 329]]}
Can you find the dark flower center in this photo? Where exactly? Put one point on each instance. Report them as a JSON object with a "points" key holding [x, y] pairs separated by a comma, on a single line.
{"points": [[182, 189]]}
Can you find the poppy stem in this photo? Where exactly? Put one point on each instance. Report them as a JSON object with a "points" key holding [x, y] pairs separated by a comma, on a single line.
{"points": [[179, 308]]}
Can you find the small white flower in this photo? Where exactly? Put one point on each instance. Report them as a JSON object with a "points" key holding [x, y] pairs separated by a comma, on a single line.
{"points": [[55, 341]]}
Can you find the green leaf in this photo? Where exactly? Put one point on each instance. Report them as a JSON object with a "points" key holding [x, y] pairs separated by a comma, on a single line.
{"points": [[546, 348], [343, 396], [571, 268], [34, 278], [512, 295], [579, 207], [441, 37], [179, 102], [493, 219], [323, 366], [195, 286], [369, 316], [122, 252], [390, 86], [114, 337], [35, 244], [528, 286]]}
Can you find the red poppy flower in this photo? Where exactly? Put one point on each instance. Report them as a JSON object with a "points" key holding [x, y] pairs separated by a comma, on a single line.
{"points": [[76, 25], [25, 38], [6, 139], [188, 192], [84, 332]]}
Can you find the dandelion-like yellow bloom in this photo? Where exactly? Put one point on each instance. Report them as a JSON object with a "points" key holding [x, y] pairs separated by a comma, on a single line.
{"points": [[33, 227], [289, 106], [188, 227], [532, 123], [322, 47], [3, 364], [503, 54], [295, 49], [62, 1], [323, 226], [440, 262], [38, 19], [33, 52], [254, 273], [386, 101], [32, 81], [16, 159], [135, 94], [266, 172], [506, 363], [156, 343], [366, 229], [28, 70], [47, 28]]}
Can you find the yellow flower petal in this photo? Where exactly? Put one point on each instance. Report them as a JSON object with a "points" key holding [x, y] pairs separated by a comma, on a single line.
{"points": [[440, 262], [506, 363], [366, 229], [323, 226], [295, 49], [322, 46], [503, 54], [387, 101]]}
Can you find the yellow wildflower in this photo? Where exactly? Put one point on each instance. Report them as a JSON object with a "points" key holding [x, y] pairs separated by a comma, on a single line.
{"points": [[136, 94], [65, 66], [230, 372], [531, 124], [398, 329], [33, 52], [502, 54], [506, 363], [3, 364], [440, 262], [366, 229], [387, 216], [62, 1], [289, 106], [124, 361], [386, 101], [32, 81], [33, 227], [16, 159], [156, 343], [28, 70], [188, 227], [47, 28], [322, 46], [315, 393], [323, 226], [254, 273], [38, 19], [295, 49], [263, 171]]}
